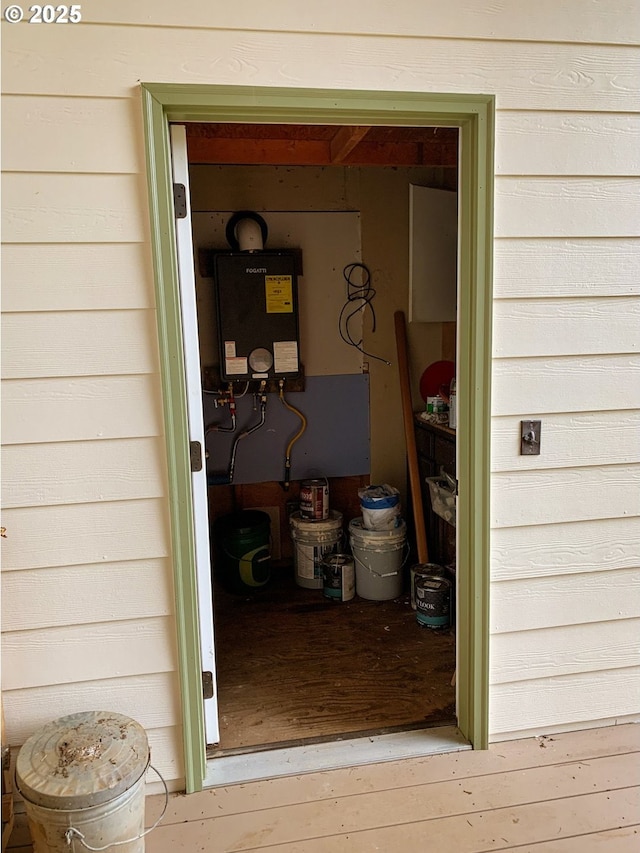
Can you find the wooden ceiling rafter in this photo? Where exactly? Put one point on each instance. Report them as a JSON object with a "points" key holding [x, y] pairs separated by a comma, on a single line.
{"points": [[344, 141], [321, 145]]}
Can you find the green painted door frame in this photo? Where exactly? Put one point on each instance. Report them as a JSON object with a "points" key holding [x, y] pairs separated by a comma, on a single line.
{"points": [[474, 115]]}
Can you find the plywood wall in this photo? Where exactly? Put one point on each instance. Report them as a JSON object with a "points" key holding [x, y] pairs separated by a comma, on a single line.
{"points": [[87, 600], [380, 196]]}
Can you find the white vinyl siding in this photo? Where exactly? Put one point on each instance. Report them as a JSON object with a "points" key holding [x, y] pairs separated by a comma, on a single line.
{"points": [[85, 505]]}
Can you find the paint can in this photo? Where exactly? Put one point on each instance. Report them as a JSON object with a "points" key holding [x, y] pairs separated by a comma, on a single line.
{"points": [[433, 601], [339, 579], [421, 570], [314, 499], [313, 540], [379, 558]]}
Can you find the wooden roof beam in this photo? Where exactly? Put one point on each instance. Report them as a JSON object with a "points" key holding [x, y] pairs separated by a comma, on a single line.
{"points": [[345, 141]]}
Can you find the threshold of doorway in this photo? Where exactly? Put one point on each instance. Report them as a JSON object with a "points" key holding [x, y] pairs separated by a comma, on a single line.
{"points": [[332, 755]]}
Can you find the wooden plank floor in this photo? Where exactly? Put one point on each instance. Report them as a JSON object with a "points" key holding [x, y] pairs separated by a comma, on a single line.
{"points": [[571, 793], [293, 665], [577, 792]]}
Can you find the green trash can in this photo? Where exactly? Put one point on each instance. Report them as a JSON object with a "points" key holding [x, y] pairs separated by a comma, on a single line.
{"points": [[242, 548]]}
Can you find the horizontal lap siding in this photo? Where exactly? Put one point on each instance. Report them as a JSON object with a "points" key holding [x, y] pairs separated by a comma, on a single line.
{"points": [[82, 472], [87, 596], [125, 589], [114, 276], [565, 554], [65, 409], [570, 440], [565, 548], [79, 343], [538, 143], [530, 75], [559, 267], [574, 20], [81, 400]]}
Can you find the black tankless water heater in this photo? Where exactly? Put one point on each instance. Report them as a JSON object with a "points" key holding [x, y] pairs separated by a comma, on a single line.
{"points": [[257, 312]]}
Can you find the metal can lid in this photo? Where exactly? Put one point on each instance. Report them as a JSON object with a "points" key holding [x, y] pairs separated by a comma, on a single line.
{"points": [[432, 582], [337, 559], [82, 760], [428, 569]]}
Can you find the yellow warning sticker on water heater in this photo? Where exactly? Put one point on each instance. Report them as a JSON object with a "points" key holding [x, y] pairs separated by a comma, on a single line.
{"points": [[279, 294]]}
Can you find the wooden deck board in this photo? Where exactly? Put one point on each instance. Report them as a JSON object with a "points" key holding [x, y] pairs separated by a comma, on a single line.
{"points": [[609, 841], [501, 829], [577, 792], [480, 800], [503, 757]]}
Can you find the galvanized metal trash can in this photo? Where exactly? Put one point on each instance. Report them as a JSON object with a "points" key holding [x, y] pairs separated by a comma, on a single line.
{"points": [[83, 781]]}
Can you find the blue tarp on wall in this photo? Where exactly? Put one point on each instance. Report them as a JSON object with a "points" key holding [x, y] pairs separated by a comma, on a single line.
{"points": [[335, 443]]}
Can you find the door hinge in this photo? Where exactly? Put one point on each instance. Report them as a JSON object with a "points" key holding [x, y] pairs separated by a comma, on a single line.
{"points": [[180, 201], [195, 451], [207, 685]]}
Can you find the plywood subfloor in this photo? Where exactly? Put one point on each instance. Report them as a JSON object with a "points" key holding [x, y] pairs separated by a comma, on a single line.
{"points": [[293, 665]]}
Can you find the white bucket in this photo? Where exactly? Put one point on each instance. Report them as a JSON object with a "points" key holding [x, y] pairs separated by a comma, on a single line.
{"points": [[379, 557], [380, 507], [83, 781], [313, 538]]}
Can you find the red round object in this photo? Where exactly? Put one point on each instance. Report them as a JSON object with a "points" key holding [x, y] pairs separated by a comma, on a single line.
{"points": [[437, 375]]}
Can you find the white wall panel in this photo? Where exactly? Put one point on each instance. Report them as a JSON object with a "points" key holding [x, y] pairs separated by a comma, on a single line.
{"points": [[566, 326], [567, 207], [151, 700], [524, 605], [581, 699], [569, 440], [539, 268], [571, 20], [165, 746], [75, 130], [535, 386], [79, 343], [84, 533], [569, 548], [82, 472], [564, 650], [539, 143], [68, 654], [531, 75], [56, 208], [116, 591], [45, 410], [76, 277], [564, 494]]}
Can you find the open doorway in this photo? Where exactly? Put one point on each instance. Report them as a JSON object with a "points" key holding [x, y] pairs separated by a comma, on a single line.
{"points": [[293, 665], [474, 116]]}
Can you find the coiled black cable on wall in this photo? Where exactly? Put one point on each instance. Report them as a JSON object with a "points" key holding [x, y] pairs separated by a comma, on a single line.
{"points": [[359, 296]]}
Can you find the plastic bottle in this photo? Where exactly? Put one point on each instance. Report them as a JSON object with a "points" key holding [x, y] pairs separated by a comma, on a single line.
{"points": [[453, 399]]}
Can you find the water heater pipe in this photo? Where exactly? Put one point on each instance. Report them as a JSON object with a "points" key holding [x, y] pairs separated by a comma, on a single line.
{"points": [[249, 430], [249, 235], [226, 397], [299, 434]]}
